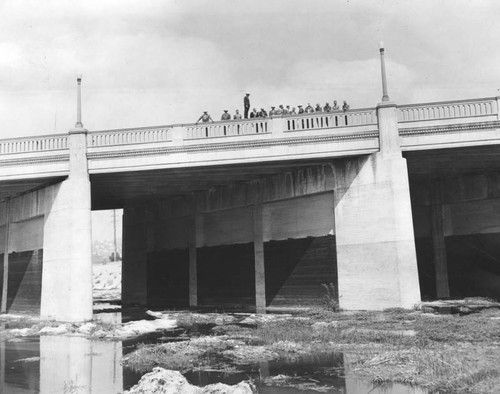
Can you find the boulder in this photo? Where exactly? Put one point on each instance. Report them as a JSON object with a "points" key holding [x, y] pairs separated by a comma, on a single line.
{"points": [[164, 381]]}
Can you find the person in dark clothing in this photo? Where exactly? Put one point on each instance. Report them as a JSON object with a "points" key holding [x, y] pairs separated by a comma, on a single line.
{"points": [[205, 117], [345, 106], [225, 116], [327, 108], [301, 110], [253, 114], [318, 108], [246, 105]]}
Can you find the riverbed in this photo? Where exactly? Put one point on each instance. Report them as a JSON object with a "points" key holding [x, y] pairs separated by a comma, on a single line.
{"points": [[52, 364]]}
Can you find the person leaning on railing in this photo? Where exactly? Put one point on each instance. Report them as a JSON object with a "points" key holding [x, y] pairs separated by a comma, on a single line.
{"points": [[345, 106], [205, 117]]}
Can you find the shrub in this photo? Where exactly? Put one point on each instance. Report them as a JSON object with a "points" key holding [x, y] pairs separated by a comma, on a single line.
{"points": [[330, 298]]}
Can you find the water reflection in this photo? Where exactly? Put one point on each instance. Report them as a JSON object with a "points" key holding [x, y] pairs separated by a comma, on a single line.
{"points": [[78, 365], [61, 364]]}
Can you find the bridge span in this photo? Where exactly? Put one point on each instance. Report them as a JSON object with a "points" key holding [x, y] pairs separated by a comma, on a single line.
{"points": [[390, 204]]}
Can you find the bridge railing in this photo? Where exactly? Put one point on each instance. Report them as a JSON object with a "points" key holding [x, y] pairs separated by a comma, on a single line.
{"points": [[228, 128], [34, 144], [322, 120], [128, 136], [447, 110]]}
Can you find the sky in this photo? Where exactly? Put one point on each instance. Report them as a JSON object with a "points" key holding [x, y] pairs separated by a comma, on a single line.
{"points": [[159, 62]]}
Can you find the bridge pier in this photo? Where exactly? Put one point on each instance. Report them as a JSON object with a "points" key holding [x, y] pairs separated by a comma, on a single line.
{"points": [[134, 264], [67, 242], [438, 242], [377, 262], [377, 265]]}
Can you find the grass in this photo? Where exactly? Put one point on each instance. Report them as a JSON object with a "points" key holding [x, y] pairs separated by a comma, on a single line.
{"points": [[330, 298], [443, 353]]}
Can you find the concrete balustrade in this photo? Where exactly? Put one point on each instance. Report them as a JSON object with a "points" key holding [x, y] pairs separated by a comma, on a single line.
{"points": [[128, 136], [324, 120], [446, 110], [36, 144], [483, 109], [229, 128]]}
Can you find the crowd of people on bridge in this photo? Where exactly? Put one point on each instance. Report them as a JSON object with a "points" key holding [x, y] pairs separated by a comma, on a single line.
{"points": [[274, 111]]}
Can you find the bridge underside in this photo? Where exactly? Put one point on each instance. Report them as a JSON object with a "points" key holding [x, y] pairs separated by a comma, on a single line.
{"points": [[460, 253], [456, 212], [190, 235]]}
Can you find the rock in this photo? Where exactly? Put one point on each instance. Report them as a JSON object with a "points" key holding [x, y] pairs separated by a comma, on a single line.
{"points": [[164, 381]]}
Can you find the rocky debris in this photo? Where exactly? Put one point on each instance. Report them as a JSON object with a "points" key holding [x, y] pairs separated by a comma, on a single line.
{"points": [[164, 381], [461, 307]]}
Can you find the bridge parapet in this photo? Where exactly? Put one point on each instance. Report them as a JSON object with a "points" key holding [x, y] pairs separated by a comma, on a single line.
{"points": [[34, 144], [321, 120], [487, 108], [228, 128], [141, 135]]}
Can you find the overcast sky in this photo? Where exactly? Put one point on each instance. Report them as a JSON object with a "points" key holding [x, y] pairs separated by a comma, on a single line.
{"points": [[156, 62]]}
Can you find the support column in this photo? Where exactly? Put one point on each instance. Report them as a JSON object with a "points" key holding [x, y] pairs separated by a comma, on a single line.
{"points": [[438, 244], [193, 262], [134, 263], [3, 339], [67, 243], [377, 264], [260, 274], [5, 281]]}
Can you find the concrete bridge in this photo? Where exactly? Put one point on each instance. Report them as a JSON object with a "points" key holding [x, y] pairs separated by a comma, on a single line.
{"points": [[390, 204]]}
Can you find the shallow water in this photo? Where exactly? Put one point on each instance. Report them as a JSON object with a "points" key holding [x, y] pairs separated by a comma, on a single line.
{"points": [[66, 364]]}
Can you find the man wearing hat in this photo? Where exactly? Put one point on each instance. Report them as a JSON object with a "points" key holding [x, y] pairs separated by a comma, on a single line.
{"points": [[246, 104], [225, 116], [205, 117], [301, 110]]}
